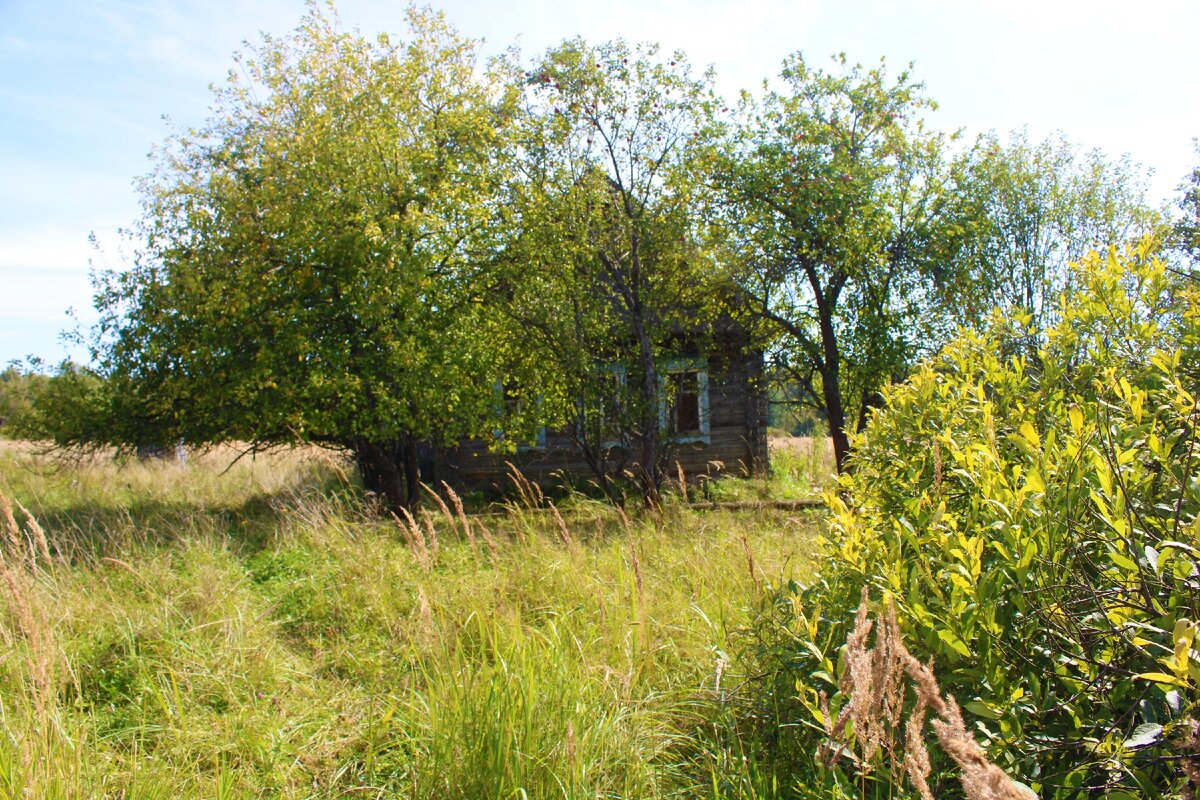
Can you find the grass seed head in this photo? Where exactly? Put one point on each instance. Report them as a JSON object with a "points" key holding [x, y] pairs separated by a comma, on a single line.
{"points": [[875, 679]]}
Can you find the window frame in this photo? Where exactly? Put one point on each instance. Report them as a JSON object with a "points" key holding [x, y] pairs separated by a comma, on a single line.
{"points": [[617, 371], [682, 366]]}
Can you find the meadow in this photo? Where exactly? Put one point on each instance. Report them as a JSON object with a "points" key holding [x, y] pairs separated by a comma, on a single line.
{"points": [[251, 628]]}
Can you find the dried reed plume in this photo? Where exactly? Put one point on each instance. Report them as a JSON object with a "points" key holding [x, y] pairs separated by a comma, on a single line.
{"points": [[35, 631], [490, 541], [572, 746], [431, 536], [682, 482], [874, 681], [34, 628], [32, 541], [39, 536], [425, 613], [718, 672], [531, 493], [563, 530], [457, 502], [11, 529], [445, 509], [633, 553], [414, 538]]}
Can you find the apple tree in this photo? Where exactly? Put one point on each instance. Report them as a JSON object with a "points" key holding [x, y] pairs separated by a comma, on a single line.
{"points": [[614, 271], [311, 263], [831, 197]]}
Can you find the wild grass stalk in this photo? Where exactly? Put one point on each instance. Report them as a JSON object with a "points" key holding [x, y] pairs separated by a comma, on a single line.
{"points": [[415, 538], [489, 540], [451, 520], [36, 533], [751, 566], [563, 530], [11, 530], [461, 514], [634, 561], [683, 487], [529, 492], [431, 536], [36, 631], [874, 685]]}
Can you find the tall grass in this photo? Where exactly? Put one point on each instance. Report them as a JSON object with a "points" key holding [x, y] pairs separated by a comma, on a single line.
{"points": [[802, 467], [193, 631]]}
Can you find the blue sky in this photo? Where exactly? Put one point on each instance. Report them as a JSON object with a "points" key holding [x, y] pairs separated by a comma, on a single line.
{"points": [[85, 84]]}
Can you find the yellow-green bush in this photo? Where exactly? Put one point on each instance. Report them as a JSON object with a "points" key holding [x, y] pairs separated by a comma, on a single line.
{"points": [[1030, 505]]}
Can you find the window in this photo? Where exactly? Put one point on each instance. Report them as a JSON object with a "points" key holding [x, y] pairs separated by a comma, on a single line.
{"points": [[602, 406], [683, 410], [510, 405], [684, 407]]}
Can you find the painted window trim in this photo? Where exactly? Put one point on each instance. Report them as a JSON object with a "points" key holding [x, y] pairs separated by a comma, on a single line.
{"points": [[675, 366]]}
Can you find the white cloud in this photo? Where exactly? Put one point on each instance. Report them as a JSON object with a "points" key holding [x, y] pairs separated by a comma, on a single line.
{"points": [[46, 248]]}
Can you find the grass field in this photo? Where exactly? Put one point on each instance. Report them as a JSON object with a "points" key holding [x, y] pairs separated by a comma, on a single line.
{"points": [[206, 630]]}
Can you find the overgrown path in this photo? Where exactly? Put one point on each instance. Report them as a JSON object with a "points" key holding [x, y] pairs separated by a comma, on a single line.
{"points": [[252, 633]]}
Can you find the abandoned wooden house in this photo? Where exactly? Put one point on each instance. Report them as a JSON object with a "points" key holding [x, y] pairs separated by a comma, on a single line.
{"points": [[712, 414]]}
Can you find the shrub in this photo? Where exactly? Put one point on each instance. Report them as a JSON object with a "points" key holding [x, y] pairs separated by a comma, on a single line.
{"points": [[1030, 506], [16, 388]]}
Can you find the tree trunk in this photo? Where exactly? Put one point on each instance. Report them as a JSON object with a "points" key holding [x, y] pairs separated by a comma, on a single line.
{"points": [[412, 471], [832, 390], [391, 470], [757, 418], [650, 467], [594, 455]]}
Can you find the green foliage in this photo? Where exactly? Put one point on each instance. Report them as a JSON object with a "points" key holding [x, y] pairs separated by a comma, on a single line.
{"points": [[801, 469], [1034, 519], [610, 272], [829, 208], [1024, 211], [312, 262], [71, 408], [18, 389]]}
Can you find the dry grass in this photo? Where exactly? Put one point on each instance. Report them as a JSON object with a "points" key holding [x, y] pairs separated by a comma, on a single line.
{"points": [[875, 689], [803, 445]]}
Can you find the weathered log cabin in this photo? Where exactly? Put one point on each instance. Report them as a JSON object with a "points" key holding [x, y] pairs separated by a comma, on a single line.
{"points": [[713, 418]]}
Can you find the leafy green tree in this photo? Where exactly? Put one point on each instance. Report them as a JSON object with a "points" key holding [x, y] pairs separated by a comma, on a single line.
{"points": [[830, 208], [18, 390], [70, 408], [1186, 233], [313, 260], [613, 274], [1025, 211]]}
